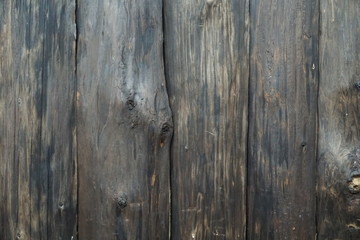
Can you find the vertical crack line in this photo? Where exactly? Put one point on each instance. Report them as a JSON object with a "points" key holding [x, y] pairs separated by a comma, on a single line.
{"points": [[76, 113], [171, 116], [248, 125]]}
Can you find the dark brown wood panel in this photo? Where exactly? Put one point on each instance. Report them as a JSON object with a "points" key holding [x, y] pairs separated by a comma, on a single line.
{"points": [[206, 52], [339, 110], [123, 120], [37, 165], [283, 119]]}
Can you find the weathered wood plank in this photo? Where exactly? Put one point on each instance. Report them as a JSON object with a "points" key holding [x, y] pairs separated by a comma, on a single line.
{"points": [[58, 140], [37, 169], [123, 120], [206, 49], [20, 119], [283, 107], [339, 134]]}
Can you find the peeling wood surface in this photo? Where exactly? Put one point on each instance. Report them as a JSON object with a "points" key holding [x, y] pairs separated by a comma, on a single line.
{"points": [[206, 52], [283, 119], [37, 144], [339, 133], [123, 120]]}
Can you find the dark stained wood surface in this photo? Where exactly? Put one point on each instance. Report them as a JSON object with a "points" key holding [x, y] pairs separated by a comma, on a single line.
{"points": [[37, 143], [206, 52], [339, 133], [282, 118], [123, 120], [265, 100]]}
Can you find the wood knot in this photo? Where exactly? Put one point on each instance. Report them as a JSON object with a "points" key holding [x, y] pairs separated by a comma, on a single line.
{"points": [[61, 206], [357, 86], [121, 201], [354, 183], [166, 130], [130, 104], [353, 227]]}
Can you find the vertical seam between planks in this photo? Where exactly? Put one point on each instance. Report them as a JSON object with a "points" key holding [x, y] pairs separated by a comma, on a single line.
{"points": [[317, 122], [171, 115], [248, 124], [43, 99], [30, 172], [76, 114], [28, 71]]}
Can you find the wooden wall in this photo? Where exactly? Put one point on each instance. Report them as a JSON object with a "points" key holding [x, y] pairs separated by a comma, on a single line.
{"points": [[179, 119]]}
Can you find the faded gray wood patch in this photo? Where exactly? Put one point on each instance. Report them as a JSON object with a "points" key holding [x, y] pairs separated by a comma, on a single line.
{"points": [[123, 120]]}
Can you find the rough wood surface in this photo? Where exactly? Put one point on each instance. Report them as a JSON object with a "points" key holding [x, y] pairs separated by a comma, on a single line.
{"points": [[339, 134], [283, 107], [84, 110], [123, 120], [206, 49], [37, 165]]}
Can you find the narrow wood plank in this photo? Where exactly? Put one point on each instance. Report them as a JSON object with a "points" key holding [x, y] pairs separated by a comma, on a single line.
{"points": [[37, 67], [20, 118], [58, 138], [283, 120], [206, 49], [339, 136], [123, 120]]}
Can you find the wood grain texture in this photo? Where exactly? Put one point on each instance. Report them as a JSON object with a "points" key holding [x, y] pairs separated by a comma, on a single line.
{"points": [[206, 49], [37, 165], [339, 133], [282, 118], [123, 120]]}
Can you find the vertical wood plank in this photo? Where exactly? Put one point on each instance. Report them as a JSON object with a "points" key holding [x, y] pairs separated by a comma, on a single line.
{"points": [[58, 138], [123, 120], [283, 122], [206, 49], [20, 119], [37, 63], [339, 136]]}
